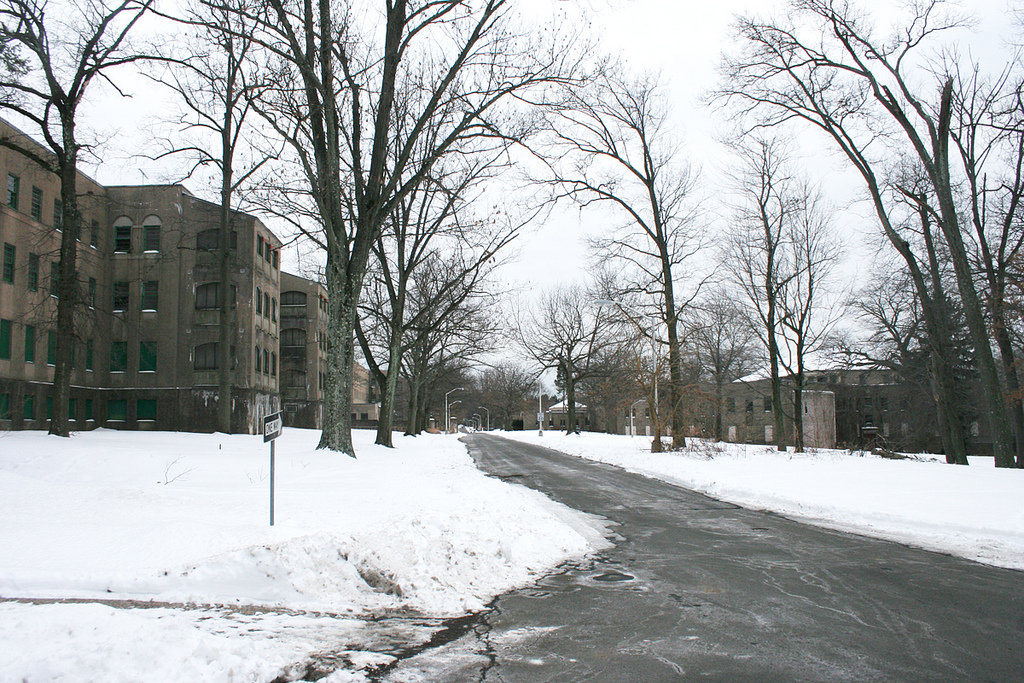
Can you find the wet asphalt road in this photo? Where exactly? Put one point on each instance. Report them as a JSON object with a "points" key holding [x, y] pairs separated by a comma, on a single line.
{"points": [[696, 589]]}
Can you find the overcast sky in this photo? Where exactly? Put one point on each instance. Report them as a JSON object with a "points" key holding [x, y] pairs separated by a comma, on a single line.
{"points": [[682, 39]]}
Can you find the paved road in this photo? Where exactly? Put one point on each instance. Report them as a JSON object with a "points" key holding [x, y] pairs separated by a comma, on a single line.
{"points": [[696, 589]]}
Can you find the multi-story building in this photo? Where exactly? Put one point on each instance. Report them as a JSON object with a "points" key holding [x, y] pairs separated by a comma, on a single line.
{"points": [[147, 325]]}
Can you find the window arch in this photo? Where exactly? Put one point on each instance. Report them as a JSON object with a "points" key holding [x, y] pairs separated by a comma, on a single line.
{"points": [[208, 295], [293, 298], [205, 357]]}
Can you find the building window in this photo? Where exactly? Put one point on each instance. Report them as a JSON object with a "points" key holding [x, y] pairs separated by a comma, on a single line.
{"points": [[51, 348], [8, 262], [72, 404], [150, 295], [209, 240], [5, 406], [147, 356], [259, 301], [54, 280], [208, 295], [767, 405], [119, 356], [205, 357], [769, 433], [145, 409], [88, 409], [88, 354], [30, 344], [151, 235], [58, 214], [277, 262], [36, 208], [13, 185], [123, 238], [92, 292], [273, 364], [293, 336], [266, 304], [122, 296], [9, 252], [258, 358], [94, 233], [273, 310], [28, 407], [266, 361], [5, 339], [33, 272], [117, 410], [259, 246], [730, 404]]}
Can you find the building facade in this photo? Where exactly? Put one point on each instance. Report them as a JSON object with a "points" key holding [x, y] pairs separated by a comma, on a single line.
{"points": [[147, 322]]}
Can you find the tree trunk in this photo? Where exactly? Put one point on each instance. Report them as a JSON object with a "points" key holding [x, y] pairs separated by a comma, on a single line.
{"points": [[225, 373], [337, 427], [385, 424], [67, 284]]}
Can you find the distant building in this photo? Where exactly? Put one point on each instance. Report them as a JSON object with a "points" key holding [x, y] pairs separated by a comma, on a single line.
{"points": [[749, 416]]}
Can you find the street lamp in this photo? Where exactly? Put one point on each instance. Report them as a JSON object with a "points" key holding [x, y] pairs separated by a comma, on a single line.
{"points": [[632, 412], [656, 444], [447, 417], [488, 417], [479, 421], [540, 408]]}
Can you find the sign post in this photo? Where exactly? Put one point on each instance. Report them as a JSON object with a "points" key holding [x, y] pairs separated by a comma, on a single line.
{"points": [[272, 425]]}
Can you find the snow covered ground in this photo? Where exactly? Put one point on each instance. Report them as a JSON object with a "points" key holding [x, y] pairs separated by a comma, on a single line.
{"points": [[409, 533], [366, 555], [975, 512]]}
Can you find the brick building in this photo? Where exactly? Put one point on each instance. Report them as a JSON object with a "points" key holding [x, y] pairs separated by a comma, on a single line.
{"points": [[147, 323]]}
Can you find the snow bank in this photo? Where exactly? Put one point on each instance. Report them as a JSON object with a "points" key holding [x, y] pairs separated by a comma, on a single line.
{"points": [[172, 517], [975, 512]]}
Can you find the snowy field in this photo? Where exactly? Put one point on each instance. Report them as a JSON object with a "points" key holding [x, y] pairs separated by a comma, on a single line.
{"points": [[975, 512], [366, 555], [407, 533]]}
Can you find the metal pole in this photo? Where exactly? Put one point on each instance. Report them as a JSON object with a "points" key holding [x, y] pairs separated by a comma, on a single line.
{"points": [[271, 483], [540, 408]]}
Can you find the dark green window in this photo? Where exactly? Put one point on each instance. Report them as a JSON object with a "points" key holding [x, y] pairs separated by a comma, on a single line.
{"points": [[33, 272], [49, 407], [117, 410], [37, 204], [88, 409], [94, 233], [258, 359], [30, 344], [151, 238], [88, 354], [121, 296], [13, 185], [5, 339], [145, 409], [206, 357], [118, 356], [28, 407], [208, 295], [92, 292], [54, 279], [147, 356], [9, 262], [51, 348], [72, 404], [150, 295], [5, 406], [123, 238], [58, 214]]}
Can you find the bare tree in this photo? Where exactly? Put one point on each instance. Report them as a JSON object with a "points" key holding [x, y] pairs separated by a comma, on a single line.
{"points": [[723, 342], [823, 66], [755, 254], [52, 74], [445, 66], [566, 331], [216, 82], [611, 146], [506, 388]]}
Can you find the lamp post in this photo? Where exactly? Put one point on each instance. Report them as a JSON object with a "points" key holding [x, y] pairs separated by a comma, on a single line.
{"points": [[656, 444], [488, 417], [447, 417], [479, 421], [540, 408], [632, 412]]}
